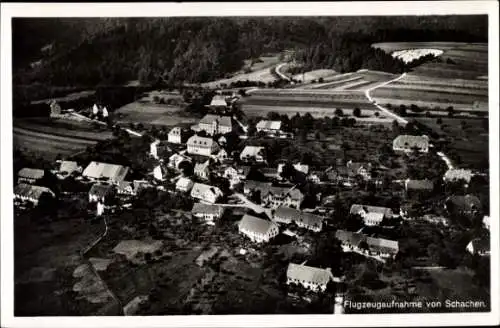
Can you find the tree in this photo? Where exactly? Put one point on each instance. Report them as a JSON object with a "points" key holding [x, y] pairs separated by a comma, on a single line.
{"points": [[439, 121], [339, 112], [451, 111], [377, 114], [356, 112], [317, 135]]}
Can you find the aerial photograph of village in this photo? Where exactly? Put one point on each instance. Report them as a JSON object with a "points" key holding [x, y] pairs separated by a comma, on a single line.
{"points": [[250, 165]]}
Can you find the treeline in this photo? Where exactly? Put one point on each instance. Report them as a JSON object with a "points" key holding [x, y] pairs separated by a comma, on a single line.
{"points": [[89, 52]]}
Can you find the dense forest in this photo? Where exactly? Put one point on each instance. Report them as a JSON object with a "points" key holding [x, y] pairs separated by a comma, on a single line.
{"points": [[112, 51]]}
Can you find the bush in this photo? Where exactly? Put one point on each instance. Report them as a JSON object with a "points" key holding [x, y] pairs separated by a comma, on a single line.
{"points": [[356, 112], [339, 112], [321, 80]]}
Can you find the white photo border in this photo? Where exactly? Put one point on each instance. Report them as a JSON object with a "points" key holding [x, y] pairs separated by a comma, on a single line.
{"points": [[378, 8]]}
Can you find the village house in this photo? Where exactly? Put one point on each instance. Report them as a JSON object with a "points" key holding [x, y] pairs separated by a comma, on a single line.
{"points": [[252, 186], [68, 168], [253, 153], [210, 213], [257, 229], [418, 187], [464, 205], [153, 149], [288, 215], [359, 169], [214, 124], [381, 247], [407, 143], [201, 170], [112, 173], [221, 156], [269, 172], [275, 197], [176, 159], [30, 193], [30, 175], [271, 127], [312, 278], [457, 175], [236, 175], [206, 193], [197, 145], [218, 101], [101, 193], [125, 188], [159, 173], [372, 215], [177, 135], [222, 141], [479, 246], [304, 168], [184, 184]]}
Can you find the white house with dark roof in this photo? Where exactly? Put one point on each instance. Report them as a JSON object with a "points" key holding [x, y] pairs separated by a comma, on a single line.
{"points": [[206, 193], [253, 153], [103, 171], [407, 143], [210, 213], [197, 145], [176, 135], [257, 229], [201, 170], [31, 193], [275, 197], [30, 175], [215, 124], [100, 192], [306, 220], [312, 278], [383, 248], [372, 215], [269, 126]]}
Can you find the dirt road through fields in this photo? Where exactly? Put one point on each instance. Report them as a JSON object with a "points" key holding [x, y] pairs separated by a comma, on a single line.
{"points": [[383, 109]]}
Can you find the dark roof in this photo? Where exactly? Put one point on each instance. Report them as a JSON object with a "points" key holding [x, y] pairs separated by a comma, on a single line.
{"points": [[31, 191], [206, 208], [309, 274], [100, 190], [255, 224], [222, 120], [419, 185]]}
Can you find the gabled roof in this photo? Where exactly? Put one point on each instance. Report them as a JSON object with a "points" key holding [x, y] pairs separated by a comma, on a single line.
{"points": [[408, 141], [183, 182], [222, 120], [200, 189], [352, 238], [255, 224], [382, 244], [100, 190], [200, 167], [357, 208], [176, 131], [31, 191], [282, 192], [299, 216], [374, 216], [480, 245], [113, 172], [269, 125], [200, 141], [457, 174], [206, 208], [309, 274], [68, 166], [218, 100], [419, 184], [30, 173], [123, 185], [252, 151]]}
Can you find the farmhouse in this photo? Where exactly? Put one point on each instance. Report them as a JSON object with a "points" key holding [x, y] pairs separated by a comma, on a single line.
{"points": [[206, 193], [177, 135], [288, 215], [258, 230], [465, 205], [201, 170], [184, 184], [197, 145], [269, 126], [372, 215], [102, 171], [407, 143], [236, 175], [282, 196], [458, 175], [218, 101], [479, 246], [210, 213], [100, 192], [214, 124], [362, 243], [67, 168], [31, 193], [176, 159], [253, 153], [29, 175], [125, 188], [315, 279]]}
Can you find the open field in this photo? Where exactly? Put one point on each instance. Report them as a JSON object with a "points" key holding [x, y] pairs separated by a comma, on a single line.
{"points": [[355, 81], [70, 97], [52, 137], [307, 77], [259, 72], [46, 255], [468, 139], [459, 60], [152, 114]]}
